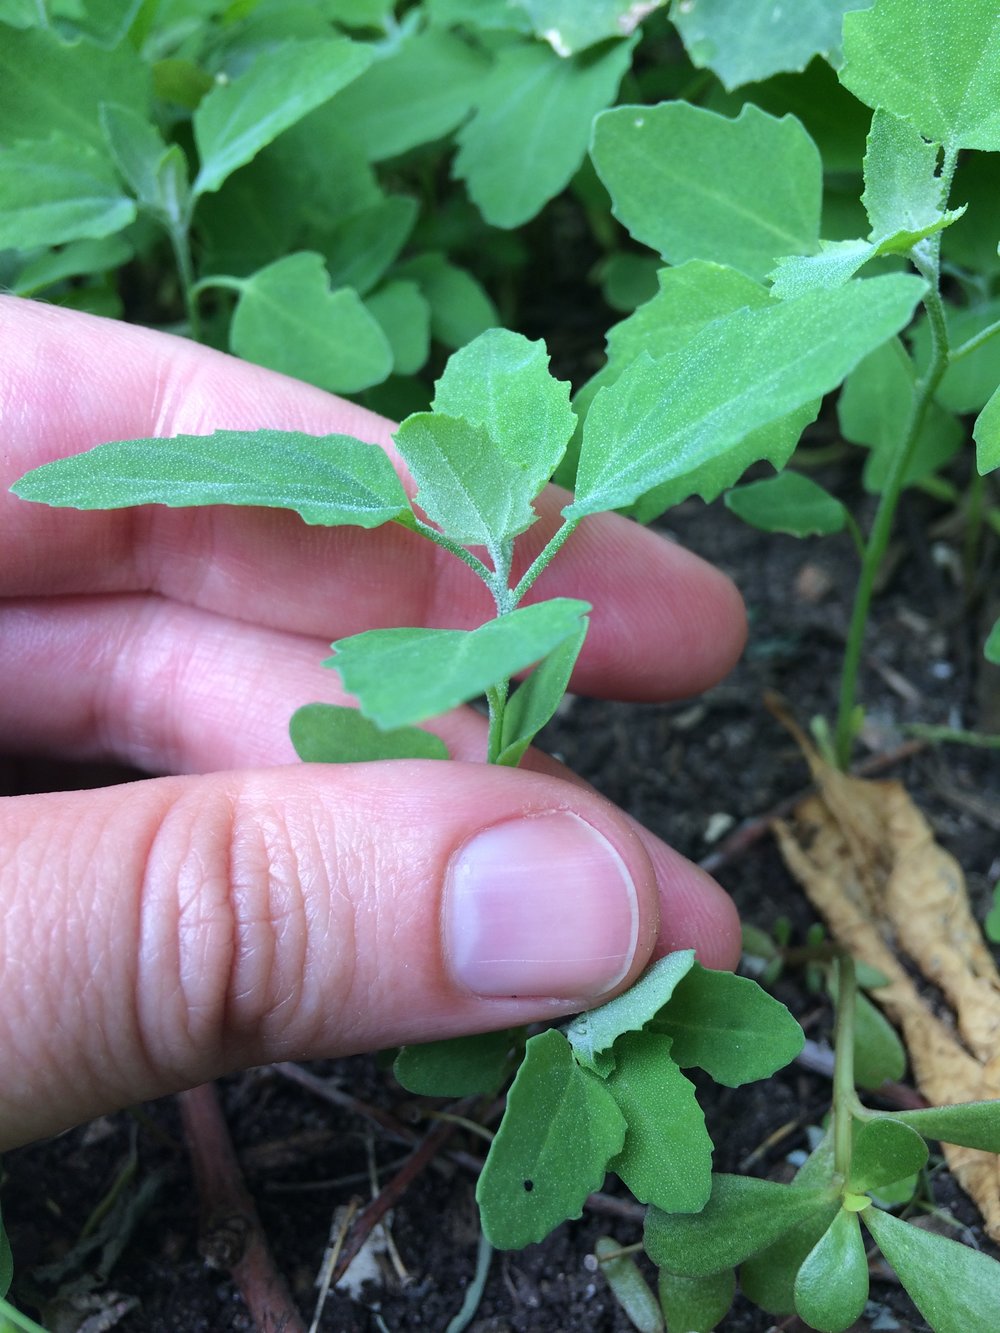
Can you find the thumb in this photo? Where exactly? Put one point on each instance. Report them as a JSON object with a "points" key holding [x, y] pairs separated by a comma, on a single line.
{"points": [[159, 934]]}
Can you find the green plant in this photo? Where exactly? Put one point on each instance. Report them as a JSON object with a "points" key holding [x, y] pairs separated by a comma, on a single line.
{"points": [[361, 277]]}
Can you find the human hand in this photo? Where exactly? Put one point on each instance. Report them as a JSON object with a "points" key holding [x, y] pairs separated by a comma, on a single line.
{"points": [[250, 908]]}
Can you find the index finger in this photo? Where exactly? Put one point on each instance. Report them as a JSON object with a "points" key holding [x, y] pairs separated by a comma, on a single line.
{"points": [[665, 623]]}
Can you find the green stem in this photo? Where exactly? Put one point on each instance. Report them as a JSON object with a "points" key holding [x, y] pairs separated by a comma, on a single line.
{"points": [[975, 342], [843, 1068], [926, 258], [15, 1319], [446, 543], [496, 697], [181, 243], [981, 740], [544, 558], [942, 489]]}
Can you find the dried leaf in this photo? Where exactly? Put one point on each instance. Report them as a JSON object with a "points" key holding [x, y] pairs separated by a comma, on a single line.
{"points": [[869, 864]]}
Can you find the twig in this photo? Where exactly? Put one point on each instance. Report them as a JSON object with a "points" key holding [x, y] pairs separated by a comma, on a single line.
{"points": [[323, 1088], [232, 1237]]}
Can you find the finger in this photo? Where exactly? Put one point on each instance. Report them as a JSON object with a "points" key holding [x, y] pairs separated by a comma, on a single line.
{"points": [[104, 678], [159, 934], [665, 623]]}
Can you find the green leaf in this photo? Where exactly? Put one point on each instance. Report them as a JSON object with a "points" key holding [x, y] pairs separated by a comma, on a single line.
{"points": [[404, 317], [991, 922], [532, 125], [501, 382], [50, 87], [768, 1278], [743, 1216], [569, 26], [663, 419], [743, 41], [788, 503], [69, 261], [331, 734], [884, 1151], [420, 91], [694, 185], [458, 1067], [902, 189], [696, 1304], [986, 433], [729, 1027], [971, 1124], [874, 409], [934, 63], [991, 648], [235, 121], [628, 1286], [560, 1130], [594, 1032], [58, 190], [831, 1288], [955, 1288], [667, 1156], [460, 308], [535, 701], [144, 160], [628, 280], [106, 21], [326, 479], [878, 1052], [288, 319], [402, 676], [360, 247]]}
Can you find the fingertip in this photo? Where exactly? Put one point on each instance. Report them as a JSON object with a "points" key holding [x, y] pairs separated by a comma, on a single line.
{"points": [[695, 911]]}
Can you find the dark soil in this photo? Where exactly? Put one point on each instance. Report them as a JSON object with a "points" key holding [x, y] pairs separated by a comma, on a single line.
{"points": [[687, 771]]}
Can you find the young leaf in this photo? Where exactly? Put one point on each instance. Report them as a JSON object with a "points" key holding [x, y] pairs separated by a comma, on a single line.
{"points": [[560, 1130], [902, 190], [594, 1032], [973, 1125], [696, 1304], [330, 734], [288, 319], [743, 1216], [458, 1067], [831, 1288], [418, 92], [768, 1278], [501, 381], [934, 63], [535, 700], [360, 247], [237, 118], [326, 479], [532, 125], [873, 410], [878, 1052], [58, 190], [404, 317], [667, 1156], [729, 1027], [48, 86], [663, 419], [986, 433], [138, 150], [955, 1288], [788, 503], [745, 41], [78, 257], [695, 185], [460, 308], [402, 676], [884, 1151], [628, 1286]]}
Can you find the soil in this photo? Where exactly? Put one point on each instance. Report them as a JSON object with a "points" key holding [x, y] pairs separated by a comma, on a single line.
{"points": [[690, 771]]}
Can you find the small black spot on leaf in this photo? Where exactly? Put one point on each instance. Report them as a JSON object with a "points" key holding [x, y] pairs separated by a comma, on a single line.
{"points": [[529, 1185]]}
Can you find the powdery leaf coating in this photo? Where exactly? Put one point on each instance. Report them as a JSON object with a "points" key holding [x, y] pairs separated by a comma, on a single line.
{"points": [[403, 676], [935, 63], [560, 1130], [695, 185], [594, 1032]]}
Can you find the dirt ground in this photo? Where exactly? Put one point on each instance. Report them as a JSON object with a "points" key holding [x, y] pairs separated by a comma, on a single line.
{"points": [[693, 772]]}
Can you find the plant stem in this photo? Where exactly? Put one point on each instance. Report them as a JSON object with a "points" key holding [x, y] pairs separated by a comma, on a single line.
{"points": [[14, 1319], [926, 258], [843, 1069], [180, 240], [544, 557], [975, 342], [446, 543], [496, 697]]}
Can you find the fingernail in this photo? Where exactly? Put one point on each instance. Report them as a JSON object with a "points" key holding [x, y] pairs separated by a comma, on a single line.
{"points": [[540, 906]]}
